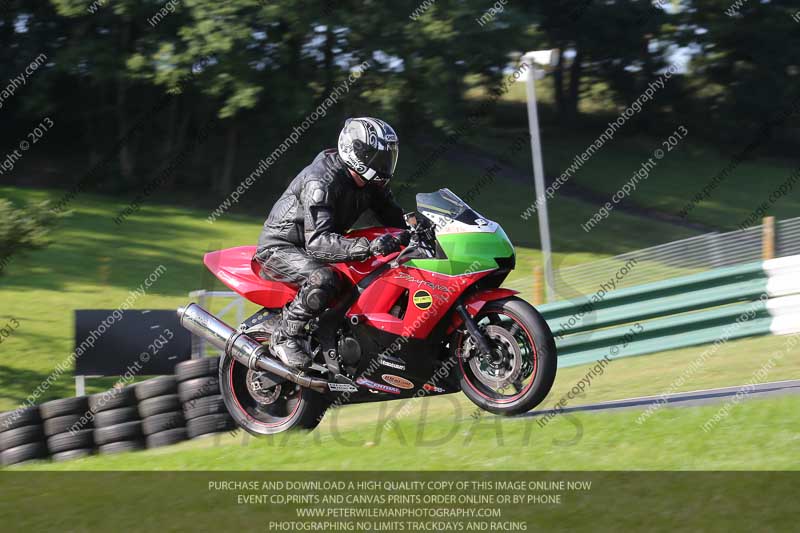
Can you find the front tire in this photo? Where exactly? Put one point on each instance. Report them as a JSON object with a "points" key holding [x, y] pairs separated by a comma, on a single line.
{"points": [[522, 368], [267, 411]]}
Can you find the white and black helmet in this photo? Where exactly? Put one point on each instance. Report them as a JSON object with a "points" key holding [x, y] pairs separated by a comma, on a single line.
{"points": [[369, 146]]}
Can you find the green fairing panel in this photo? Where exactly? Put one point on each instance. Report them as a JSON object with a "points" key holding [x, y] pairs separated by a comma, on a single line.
{"points": [[468, 252]]}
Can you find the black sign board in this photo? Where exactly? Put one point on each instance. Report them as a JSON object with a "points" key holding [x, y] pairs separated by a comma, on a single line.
{"points": [[139, 342]]}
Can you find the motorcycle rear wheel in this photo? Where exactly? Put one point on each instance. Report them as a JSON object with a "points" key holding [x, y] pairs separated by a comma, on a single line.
{"points": [[268, 411], [522, 368]]}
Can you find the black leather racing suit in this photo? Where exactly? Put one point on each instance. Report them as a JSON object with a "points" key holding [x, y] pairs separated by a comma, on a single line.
{"points": [[304, 232]]}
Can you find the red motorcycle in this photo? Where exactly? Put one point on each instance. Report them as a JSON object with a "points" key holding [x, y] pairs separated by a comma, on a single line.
{"points": [[428, 320]]}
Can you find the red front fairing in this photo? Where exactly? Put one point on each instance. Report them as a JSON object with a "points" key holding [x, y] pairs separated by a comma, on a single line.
{"points": [[423, 296], [426, 297]]}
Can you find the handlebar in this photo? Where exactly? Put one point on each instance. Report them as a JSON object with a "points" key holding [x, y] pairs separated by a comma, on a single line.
{"points": [[397, 261]]}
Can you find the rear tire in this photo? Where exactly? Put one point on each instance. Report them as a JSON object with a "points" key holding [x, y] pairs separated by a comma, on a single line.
{"points": [[295, 407], [532, 334]]}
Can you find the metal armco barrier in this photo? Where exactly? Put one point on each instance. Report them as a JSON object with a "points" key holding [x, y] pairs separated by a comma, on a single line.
{"points": [[757, 298]]}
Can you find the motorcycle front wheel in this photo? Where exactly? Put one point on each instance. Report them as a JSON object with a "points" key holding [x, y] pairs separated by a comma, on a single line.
{"points": [[519, 372], [261, 409]]}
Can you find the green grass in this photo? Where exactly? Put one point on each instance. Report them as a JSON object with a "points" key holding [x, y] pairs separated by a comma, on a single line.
{"points": [[671, 440], [430, 433]]}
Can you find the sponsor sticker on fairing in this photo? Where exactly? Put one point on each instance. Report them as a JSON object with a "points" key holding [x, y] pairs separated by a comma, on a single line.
{"points": [[397, 381], [422, 299], [342, 387], [392, 363], [364, 382]]}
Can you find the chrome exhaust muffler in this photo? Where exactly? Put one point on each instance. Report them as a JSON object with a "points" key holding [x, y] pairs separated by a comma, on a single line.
{"points": [[241, 347]]}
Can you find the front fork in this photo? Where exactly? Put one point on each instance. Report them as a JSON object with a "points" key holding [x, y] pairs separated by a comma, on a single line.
{"points": [[474, 332]]}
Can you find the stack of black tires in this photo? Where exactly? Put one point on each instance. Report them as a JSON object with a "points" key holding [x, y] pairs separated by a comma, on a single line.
{"points": [[160, 408], [198, 389], [21, 436], [116, 421], [68, 428]]}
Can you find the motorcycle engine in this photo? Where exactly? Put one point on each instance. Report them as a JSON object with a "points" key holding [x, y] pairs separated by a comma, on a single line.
{"points": [[349, 351]]}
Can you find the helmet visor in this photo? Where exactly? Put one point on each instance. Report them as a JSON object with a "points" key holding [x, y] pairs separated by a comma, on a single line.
{"points": [[385, 161]]}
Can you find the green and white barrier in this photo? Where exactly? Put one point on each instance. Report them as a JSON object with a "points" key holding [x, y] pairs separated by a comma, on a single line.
{"points": [[758, 298]]}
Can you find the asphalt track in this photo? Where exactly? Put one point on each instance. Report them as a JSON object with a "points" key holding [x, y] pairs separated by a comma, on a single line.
{"points": [[687, 399]]}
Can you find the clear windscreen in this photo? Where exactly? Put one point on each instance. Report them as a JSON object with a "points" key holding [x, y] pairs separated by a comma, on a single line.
{"points": [[444, 204]]}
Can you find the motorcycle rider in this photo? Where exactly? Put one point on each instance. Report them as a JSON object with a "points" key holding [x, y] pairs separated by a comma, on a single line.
{"points": [[305, 228]]}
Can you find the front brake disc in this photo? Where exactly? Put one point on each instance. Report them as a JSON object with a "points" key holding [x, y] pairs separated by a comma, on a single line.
{"points": [[505, 364]]}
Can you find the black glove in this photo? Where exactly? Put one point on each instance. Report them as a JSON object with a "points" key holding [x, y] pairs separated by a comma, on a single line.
{"points": [[384, 245]]}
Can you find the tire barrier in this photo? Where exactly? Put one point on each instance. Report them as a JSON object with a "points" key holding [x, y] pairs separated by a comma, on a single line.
{"points": [[68, 425], [160, 410], [21, 436], [157, 412], [198, 390], [116, 419]]}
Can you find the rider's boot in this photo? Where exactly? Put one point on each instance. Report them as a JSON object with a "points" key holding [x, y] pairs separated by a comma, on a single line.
{"points": [[289, 340]]}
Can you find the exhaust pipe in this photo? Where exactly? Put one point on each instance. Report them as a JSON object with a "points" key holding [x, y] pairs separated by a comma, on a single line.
{"points": [[244, 349]]}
